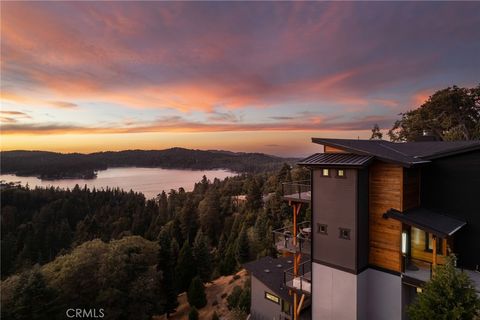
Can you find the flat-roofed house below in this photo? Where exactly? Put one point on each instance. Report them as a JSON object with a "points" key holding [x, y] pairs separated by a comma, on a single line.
{"points": [[270, 297]]}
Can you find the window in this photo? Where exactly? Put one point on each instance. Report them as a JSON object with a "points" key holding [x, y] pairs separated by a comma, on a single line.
{"points": [[340, 173], [285, 307], [344, 233], [272, 297], [429, 243], [322, 228], [325, 172]]}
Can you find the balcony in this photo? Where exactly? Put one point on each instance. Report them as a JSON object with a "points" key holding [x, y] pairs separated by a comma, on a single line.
{"points": [[285, 241], [299, 191], [418, 272], [302, 282]]}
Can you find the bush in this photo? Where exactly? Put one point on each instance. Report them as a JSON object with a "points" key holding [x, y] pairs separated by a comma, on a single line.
{"points": [[234, 297], [450, 294]]}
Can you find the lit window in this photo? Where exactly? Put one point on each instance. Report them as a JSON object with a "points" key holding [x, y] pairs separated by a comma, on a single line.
{"points": [[322, 228], [340, 173], [326, 172], [272, 297], [429, 243], [285, 307], [344, 233]]}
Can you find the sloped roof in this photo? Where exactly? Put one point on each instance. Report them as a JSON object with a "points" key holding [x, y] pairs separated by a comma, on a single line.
{"points": [[337, 159], [407, 153], [434, 222]]}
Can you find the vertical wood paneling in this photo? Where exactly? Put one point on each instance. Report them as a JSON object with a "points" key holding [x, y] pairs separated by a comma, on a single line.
{"points": [[385, 192]]}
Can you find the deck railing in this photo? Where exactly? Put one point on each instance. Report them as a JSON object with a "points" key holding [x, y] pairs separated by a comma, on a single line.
{"points": [[297, 190], [285, 241], [301, 282]]}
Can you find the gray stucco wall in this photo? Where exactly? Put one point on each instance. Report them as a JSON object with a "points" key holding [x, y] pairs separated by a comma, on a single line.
{"points": [[335, 204], [334, 295], [261, 308], [384, 300], [340, 295]]}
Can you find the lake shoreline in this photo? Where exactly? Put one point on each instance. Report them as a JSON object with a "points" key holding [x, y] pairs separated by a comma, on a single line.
{"points": [[149, 181]]}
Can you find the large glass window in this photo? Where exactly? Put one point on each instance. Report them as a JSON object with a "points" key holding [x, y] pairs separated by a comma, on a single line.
{"points": [[429, 243]]}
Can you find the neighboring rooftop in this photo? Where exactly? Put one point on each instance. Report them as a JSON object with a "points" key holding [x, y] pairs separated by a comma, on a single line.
{"points": [[405, 153], [270, 272]]}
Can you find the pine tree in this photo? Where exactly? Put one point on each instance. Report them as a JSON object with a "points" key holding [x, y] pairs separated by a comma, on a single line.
{"points": [[185, 270], [449, 295], [165, 264], [243, 246], [196, 294], [203, 258], [254, 196], [188, 220], [228, 264], [262, 233], [209, 213]]}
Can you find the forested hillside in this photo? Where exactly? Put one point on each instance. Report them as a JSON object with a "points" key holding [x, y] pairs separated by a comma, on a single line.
{"points": [[57, 243], [51, 165]]}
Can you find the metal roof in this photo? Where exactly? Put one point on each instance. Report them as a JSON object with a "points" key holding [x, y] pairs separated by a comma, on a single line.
{"points": [[337, 159], [427, 220], [405, 153]]}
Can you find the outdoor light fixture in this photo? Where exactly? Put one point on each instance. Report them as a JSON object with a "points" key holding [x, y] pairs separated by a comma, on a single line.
{"points": [[404, 242]]}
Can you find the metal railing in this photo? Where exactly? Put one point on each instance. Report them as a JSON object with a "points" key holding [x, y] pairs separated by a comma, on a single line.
{"points": [[285, 241], [297, 190], [301, 282]]}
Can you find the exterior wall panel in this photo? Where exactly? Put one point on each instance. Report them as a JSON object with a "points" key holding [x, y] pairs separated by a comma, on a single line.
{"points": [[261, 308], [334, 292], [335, 204]]}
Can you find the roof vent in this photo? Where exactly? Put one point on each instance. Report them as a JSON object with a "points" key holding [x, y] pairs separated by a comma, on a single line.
{"points": [[279, 265], [267, 270]]}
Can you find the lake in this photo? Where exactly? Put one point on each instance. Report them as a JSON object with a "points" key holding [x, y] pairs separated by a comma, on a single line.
{"points": [[149, 181]]}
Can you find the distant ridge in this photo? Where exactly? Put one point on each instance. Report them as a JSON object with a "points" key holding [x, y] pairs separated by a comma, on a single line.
{"points": [[52, 165]]}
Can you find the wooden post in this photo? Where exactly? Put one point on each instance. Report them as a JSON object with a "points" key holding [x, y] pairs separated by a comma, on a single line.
{"points": [[296, 257], [434, 253], [444, 247]]}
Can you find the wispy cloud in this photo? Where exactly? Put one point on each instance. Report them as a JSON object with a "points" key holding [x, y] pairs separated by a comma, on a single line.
{"points": [[180, 124], [63, 104]]}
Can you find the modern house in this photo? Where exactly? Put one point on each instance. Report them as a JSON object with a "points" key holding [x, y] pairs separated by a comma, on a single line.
{"points": [[383, 216]]}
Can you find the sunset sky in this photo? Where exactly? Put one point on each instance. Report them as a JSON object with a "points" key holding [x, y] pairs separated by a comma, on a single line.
{"points": [[89, 76]]}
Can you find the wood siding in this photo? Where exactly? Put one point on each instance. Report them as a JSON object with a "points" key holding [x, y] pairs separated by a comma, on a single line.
{"points": [[418, 247], [329, 149], [385, 192]]}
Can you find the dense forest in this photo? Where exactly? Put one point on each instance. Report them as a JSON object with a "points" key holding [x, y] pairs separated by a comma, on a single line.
{"points": [[51, 165], [116, 250]]}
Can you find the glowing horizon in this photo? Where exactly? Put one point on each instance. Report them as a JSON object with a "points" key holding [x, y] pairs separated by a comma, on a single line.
{"points": [[261, 77]]}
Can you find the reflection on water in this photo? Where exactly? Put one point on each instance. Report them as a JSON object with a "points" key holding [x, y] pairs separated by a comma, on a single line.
{"points": [[149, 181]]}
